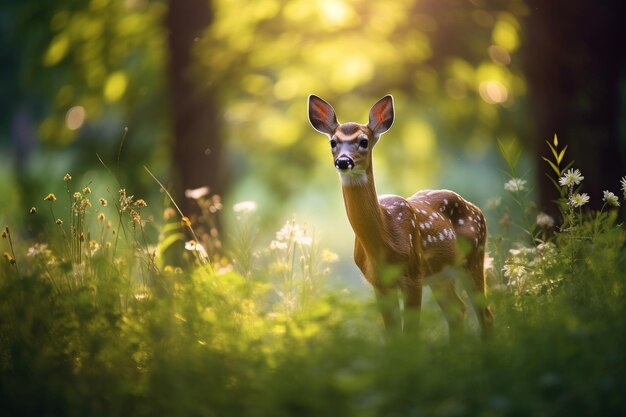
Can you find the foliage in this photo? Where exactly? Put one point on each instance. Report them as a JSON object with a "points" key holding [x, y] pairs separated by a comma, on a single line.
{"points": [[92, 322]]}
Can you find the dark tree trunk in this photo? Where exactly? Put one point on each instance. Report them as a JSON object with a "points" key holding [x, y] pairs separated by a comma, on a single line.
{"points": [[574, 65], [197, 126]]}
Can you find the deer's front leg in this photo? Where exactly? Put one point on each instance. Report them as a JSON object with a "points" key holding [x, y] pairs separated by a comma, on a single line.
{"points": [[412, 289]]}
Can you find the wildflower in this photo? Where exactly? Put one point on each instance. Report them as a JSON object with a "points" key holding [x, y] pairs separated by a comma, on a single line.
{"points": [[9, 258], [515, 185], [197, 193], [623, 183], [571, 177], [33, 210], [192, 245], [610, 199], [141, 203], [50, 197], [101, 217], [59, 222], [276, 245], [67, 177], [168, 213], [493, 203], [513, 271], [135, 216], [544, 220], [77, 195], [94, 246], [103, 202], [37, 249], [579, 200], [125, 201], [328, 256], [245, 207]]}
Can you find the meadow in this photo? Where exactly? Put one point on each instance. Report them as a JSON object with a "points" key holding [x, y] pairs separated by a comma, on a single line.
{"points": [[114, 310]]}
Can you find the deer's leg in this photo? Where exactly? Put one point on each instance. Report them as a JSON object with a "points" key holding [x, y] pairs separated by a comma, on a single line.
{"points": [[478, 298], [452, 306], [388, 304], [485, 316], [412, 290]]}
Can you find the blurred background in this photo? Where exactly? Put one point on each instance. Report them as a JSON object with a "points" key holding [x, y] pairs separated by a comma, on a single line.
{"points": [[213, 93]]}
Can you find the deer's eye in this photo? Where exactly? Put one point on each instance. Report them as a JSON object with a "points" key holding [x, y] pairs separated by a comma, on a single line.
{"points": [[363, 143], [333, 143]]}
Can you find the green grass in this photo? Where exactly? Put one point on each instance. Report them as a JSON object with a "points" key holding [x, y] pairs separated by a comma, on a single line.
{"points": [[102, 322]]}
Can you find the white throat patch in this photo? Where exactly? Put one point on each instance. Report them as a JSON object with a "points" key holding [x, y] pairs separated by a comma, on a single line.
{"points": [[353, 177]]}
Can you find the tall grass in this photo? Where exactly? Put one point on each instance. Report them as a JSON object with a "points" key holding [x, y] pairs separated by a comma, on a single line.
{"points": [[97, 320]]}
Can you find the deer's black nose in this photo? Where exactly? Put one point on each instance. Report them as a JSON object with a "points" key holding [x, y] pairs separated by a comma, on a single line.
{"points": [[344, 162]]}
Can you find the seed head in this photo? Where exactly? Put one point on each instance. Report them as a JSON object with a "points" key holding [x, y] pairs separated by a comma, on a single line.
{"points": [[103, 202], [50, 197], [141, 203], [33, 210], [67, 177], [86, 190], [59, 222]]}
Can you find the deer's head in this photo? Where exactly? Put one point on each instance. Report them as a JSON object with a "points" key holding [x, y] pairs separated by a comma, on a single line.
{"points": [[351, 143]]}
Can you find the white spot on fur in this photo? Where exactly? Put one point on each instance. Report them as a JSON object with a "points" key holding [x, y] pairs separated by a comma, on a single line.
{"points": [[441, 237], [445, 201], [461, 221], [413, 223]]}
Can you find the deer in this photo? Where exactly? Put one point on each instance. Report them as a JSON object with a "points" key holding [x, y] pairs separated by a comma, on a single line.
{"points": [[402, 244]]}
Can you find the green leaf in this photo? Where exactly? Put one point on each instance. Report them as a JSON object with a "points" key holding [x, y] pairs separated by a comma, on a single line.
{"points": [[554, 167], [554, 151], [170, 240], [561, 155]]}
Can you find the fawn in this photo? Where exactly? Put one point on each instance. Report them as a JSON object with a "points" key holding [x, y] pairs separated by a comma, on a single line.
{"points": [[423, 236]]}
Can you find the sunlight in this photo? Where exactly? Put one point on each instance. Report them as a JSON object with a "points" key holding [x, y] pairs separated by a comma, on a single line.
{"points": [[335, 12], [493, 92], [75, 117]]}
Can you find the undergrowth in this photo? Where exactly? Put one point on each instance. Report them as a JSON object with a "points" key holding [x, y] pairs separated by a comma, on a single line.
{"points": [[95, 319]]}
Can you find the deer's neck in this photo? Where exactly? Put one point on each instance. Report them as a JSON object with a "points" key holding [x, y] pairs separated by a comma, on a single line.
{"points": [[365, 214]]}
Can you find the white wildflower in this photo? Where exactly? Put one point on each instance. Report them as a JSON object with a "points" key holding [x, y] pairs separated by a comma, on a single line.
{"points": [[245, 207], [623, 183], [544, 220], [38, 249], [276, 245], [571, 177], [513, 271], [579, 200], [194, 246], [515, 185], [610, 198], [197, 193]]}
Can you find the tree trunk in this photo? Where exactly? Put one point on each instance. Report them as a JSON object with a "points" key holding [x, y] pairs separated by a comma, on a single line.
{"points": [[574, 67], [196, 120]]}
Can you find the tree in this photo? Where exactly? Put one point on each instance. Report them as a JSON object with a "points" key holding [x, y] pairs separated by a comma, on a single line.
{"points": [[196, 120], [575, 71]]}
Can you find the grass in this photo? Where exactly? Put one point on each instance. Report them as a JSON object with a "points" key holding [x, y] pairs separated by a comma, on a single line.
{"points": [[95, 319]]}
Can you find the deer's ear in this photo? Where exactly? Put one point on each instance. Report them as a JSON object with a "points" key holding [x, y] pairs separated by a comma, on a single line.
{"points": [[322, 115], [381, 115]]}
